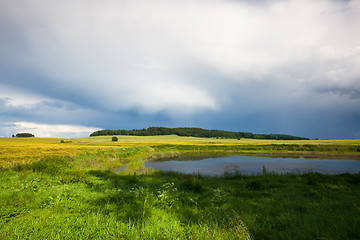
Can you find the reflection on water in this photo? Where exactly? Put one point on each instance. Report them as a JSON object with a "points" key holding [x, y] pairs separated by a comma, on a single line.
{"points": [[254, 165]]}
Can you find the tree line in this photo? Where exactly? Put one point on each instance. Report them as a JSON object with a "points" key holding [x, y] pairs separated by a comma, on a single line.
{"points": [[194, 132], [24, 135]]}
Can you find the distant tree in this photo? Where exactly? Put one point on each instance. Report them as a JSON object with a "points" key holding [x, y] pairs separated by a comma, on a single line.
{"points": [[25, 135], [194, 132], [114, 139]]}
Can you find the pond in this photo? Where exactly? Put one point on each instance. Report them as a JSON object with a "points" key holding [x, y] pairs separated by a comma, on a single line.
{"points": [[250, 165]]}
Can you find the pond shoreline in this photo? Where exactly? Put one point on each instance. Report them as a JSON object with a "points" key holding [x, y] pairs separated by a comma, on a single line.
{"points": [[293, 158], [311, 155], [216, 165]]}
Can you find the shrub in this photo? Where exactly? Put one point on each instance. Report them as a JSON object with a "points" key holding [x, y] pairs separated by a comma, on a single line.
{"points": [[114, 139]]}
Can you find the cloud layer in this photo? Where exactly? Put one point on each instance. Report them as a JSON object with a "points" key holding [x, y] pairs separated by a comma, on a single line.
{"points": [[175, 60], [47, 130]]}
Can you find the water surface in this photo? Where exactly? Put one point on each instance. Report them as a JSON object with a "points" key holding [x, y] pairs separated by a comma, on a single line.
{"points": [[214, 166]]}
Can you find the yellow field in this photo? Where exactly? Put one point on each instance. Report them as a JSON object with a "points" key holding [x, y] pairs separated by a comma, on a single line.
{"points": [[174, 139], [26, 150]]}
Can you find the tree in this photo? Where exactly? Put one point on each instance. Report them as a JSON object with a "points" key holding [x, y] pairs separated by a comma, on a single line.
{"points": [[25, 135]]}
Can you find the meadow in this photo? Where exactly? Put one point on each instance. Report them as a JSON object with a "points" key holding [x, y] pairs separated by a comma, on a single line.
{"points": [[53, 190]]}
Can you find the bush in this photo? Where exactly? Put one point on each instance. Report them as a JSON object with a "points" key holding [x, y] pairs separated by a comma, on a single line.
{"points": [[114, 139]]}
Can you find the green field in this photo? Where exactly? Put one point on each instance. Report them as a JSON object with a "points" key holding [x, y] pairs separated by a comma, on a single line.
{"points": [[53, 190]]}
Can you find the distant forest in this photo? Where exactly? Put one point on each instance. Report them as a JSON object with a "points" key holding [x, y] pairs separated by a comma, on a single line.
{"points": [[194, 132]]}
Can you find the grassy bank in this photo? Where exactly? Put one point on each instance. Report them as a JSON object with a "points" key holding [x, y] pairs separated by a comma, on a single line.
{"points": [[272, 150], [74, 195]]}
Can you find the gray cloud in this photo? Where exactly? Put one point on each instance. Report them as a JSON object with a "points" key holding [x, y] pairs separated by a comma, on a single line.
{"points": [[348, 92], [180, 58]]}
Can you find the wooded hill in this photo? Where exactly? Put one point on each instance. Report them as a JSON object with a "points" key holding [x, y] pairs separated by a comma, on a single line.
{"points": [[194, 132]]}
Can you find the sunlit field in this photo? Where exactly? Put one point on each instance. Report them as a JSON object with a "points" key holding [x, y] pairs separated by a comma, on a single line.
{"points": [[339, 149], [26, 150], [174, 139], [69, 190]]}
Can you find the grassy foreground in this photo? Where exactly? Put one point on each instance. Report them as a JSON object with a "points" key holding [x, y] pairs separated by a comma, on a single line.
{"points": [[68, 192]]}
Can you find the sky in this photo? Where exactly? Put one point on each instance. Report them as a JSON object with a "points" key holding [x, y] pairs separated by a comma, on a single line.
{"points": [[71, 67]]}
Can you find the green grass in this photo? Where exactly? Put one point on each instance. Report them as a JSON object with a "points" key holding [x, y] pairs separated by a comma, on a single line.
{"points": [[77, 196], [58, 201], [55, 200]]}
